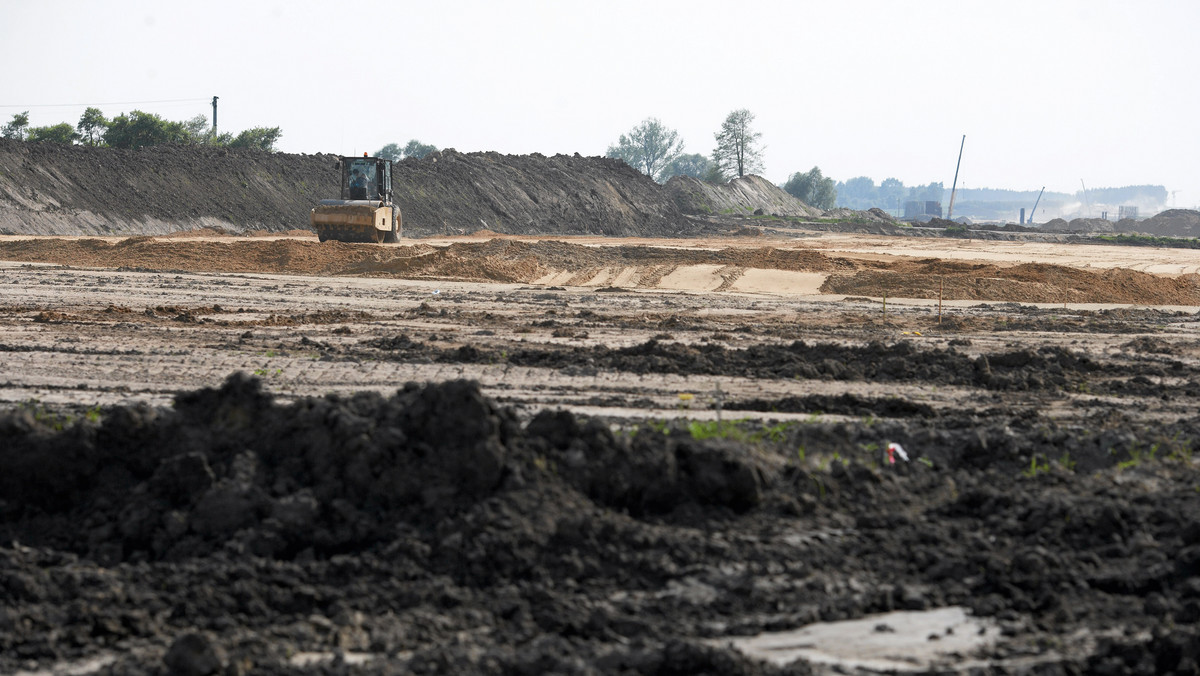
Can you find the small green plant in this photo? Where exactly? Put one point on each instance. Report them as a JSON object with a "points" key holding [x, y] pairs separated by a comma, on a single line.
{"points": [[45, 416], [801, 454], [776, 433], [93, 414], [925, 461], [1036, 467], [271, 354], [717, 429], [1066, 462], [659, 426]]}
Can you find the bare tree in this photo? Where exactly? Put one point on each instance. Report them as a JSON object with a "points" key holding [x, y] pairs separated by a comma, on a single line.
{"points": [[649, 147], [738, 151]]}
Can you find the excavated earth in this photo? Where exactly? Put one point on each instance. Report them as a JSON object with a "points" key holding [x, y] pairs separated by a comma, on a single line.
{"points": [[538, 454]]}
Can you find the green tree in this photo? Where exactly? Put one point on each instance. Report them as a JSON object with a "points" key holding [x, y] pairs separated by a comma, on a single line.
{"points": [[17, 127], [931, 192], [198, 130], [695, 165], [714, 174], [812, 188], [261, 138], [891, 193], [139, 129], [91, 127], [649, 147], [738, 151], [59, 133], [391, 151], [413, 148], [858, 193]]}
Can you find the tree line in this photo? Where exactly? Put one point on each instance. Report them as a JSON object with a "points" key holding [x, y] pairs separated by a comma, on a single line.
{"points": [[861, 193], [657, 151], [137, 129], [414, 148]]}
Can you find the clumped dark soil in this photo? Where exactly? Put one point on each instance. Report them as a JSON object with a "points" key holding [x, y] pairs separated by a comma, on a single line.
{"points": [[436, 531]]}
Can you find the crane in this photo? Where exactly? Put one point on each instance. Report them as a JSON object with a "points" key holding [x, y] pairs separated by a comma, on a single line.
{"points": [[1039, 199], [954, 187]]}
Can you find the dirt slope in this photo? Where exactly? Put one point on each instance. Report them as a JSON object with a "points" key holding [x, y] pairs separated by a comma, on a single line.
{"points": [[1170, 223], [48, 189], [51, 189], [742, 196]]}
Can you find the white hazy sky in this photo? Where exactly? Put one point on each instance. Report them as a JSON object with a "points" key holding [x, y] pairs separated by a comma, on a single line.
{"points": [[1048, 92]]}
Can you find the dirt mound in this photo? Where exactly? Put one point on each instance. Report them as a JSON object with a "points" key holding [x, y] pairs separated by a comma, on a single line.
{"points": [[456, 193], [1028, 283], [872, 215], [1090, 225], [745, 196], [1169, 223], [48, 188]]}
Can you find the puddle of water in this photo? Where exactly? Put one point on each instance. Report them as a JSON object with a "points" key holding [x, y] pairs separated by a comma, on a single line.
{"points": [[892, 642]]}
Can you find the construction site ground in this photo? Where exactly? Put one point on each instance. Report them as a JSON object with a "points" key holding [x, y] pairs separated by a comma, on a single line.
{"points": [[675, 446]]}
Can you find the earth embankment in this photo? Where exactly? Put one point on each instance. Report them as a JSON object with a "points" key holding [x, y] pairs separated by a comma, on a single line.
{"points": [[51, 189]]}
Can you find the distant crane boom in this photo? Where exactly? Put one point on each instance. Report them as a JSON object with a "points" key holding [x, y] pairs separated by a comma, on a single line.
{"points": [[1039, 199], [954, 187]]}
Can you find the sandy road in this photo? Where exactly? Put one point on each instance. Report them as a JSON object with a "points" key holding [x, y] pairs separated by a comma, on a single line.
{"points": [[86, 337]]}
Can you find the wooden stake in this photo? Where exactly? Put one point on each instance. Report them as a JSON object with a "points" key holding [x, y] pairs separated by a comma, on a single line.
{"points": [[941, 290], [885, 303]]}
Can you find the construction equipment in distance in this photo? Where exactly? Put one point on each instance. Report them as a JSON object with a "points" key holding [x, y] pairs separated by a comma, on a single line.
{"points": [[365, 212]]}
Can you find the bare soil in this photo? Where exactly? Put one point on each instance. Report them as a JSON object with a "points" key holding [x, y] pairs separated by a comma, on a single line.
{"points": [[519, 455]]}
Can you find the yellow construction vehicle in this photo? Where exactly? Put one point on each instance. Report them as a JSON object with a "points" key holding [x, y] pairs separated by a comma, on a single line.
{"points": [[365, 212]]}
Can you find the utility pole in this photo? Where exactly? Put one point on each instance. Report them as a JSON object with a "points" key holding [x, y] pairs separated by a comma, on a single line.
{"points": [[954, 187], [215, 116], [1085, 199]]}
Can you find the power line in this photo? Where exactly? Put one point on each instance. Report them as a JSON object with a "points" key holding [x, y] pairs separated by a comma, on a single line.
{"points": [[110, 103]]}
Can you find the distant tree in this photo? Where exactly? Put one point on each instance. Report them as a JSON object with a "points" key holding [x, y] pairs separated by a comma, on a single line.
{"points": [[391, 151], [714, 174], [695, 165], [17, 127], [59, 133], [891, 193], [260, 138], [931, 192], [649, 147], [858, 193], [812, 188], [139, 129], [738, 151], [413, 148], [198, 130], [91, 127]]}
